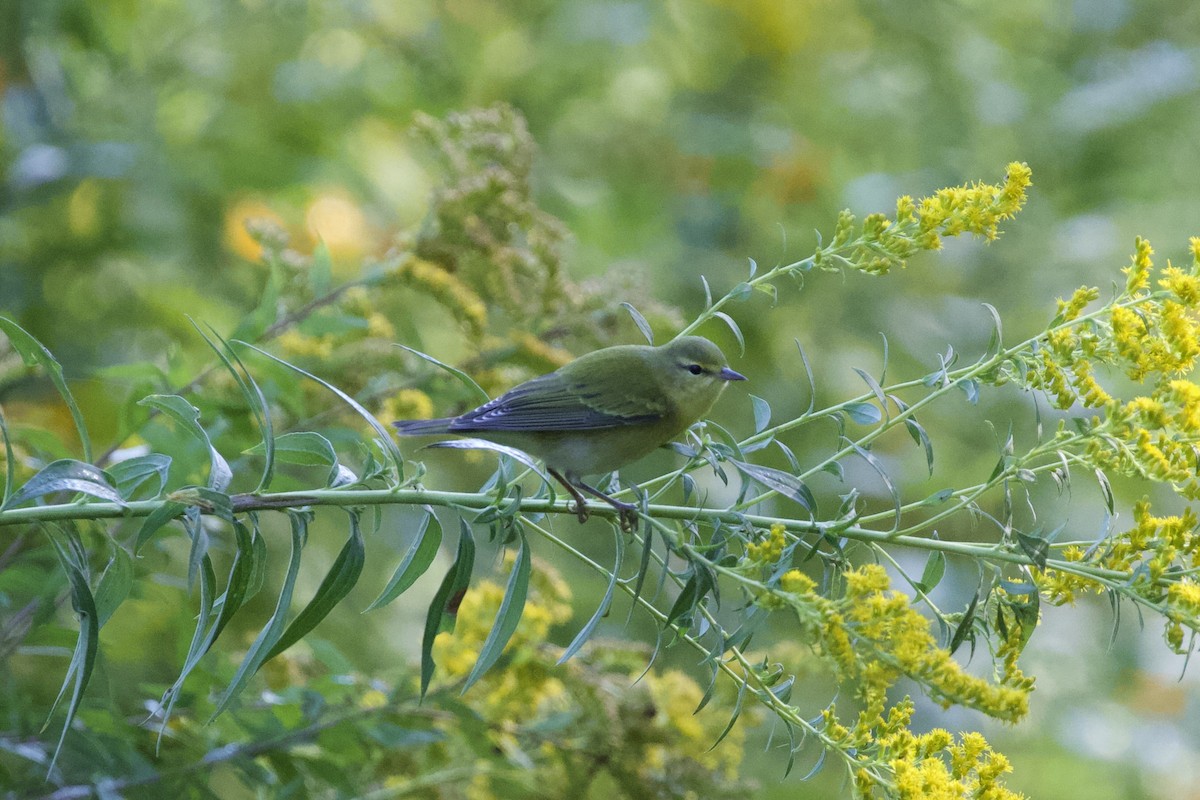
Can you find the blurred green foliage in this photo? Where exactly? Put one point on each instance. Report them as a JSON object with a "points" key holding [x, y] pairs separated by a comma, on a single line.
{"points": [[674, 140]]}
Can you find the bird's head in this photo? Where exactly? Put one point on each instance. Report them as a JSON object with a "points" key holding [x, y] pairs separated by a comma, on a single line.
{"points": [[695, 370]]}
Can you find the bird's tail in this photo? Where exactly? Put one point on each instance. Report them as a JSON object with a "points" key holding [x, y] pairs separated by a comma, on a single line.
{"points": [[422, 427]]}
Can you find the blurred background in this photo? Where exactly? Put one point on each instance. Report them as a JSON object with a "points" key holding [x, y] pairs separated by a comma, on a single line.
{"points": [[673, 140]]}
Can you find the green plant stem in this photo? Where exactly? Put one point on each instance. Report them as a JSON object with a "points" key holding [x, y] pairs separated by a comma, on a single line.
{"points": [[479, 501]]}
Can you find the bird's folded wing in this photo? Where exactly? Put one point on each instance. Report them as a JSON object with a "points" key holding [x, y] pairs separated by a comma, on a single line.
{"points": [[555, 403]]}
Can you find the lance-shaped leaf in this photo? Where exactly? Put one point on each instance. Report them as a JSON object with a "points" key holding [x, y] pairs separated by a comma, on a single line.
{"points": [[308, 448], [114, 584], [733, 326], [156, 519], [418, 558], [463, 377], [585, 632], [255, 401], [762, 413], [271, 632], [935, 568], [777, 480], [187, 417], [10, 465], [129, 475], [65, 475], [694, 591], [83, 659], [507, 617], [33, 352], [196, 648], [482, 444], [443, 611], [385, 440], [338, 582], [640, 321]]}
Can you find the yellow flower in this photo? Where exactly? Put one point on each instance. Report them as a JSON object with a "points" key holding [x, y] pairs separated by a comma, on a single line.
{"points": [[796, 582], [1138, 272]]}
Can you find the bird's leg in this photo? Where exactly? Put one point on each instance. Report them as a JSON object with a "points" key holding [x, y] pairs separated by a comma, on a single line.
{"points": [[580, 504], [627, 512]]}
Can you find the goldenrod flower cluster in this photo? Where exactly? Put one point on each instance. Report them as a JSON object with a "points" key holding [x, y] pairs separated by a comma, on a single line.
{"points": [[932, 766], [920, 225], [873, 636], [1153, 554], [1150, 333], [653, 742], [770, 549]]}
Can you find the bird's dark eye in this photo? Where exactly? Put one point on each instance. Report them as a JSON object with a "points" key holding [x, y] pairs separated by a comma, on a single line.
{"points": [[695, 369]]}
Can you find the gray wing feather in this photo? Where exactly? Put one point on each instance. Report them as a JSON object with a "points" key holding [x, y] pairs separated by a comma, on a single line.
{"points": [[548, 403]]}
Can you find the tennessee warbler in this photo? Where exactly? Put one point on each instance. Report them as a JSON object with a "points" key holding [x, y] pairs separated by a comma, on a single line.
{"points": [[599, 412]]}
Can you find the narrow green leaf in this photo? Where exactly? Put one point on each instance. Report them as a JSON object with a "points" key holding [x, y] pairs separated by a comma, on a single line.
{"points": [[258, 564], [694, 591], [482, 444], [1035, 547], [777, 480], [1105, 489], [935, 568], [887, 481], [864, 413], [237, 588], [308, 448], [418, 558], [255, 400], [385, 439], [10, 466], [66, 475], [130, 474], [463, 377], [193, 523], [270, 633], [733, 718], [733, 326], [640, 321], [643, 571], [156, 519], [196, 647], [187, 417], [762, 413], [997, 337], [873, 385], [443, 611], [964, 626], [937, 498], [114, 584], [83, 659], [33, 352], [508, 617], [338, 582], [585, 632]]}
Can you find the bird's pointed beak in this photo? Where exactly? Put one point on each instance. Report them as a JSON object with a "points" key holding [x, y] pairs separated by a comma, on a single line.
{"points": [[726, 374]]}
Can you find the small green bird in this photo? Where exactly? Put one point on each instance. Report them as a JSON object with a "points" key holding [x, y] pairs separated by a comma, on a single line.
{"points": [[599, 412]]}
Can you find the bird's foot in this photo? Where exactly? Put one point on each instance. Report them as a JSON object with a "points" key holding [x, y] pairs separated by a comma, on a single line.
{"points": [[581, 510], [629, 517]]}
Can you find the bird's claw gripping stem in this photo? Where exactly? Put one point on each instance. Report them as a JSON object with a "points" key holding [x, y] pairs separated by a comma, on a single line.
{"points": [[627, 513]]}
